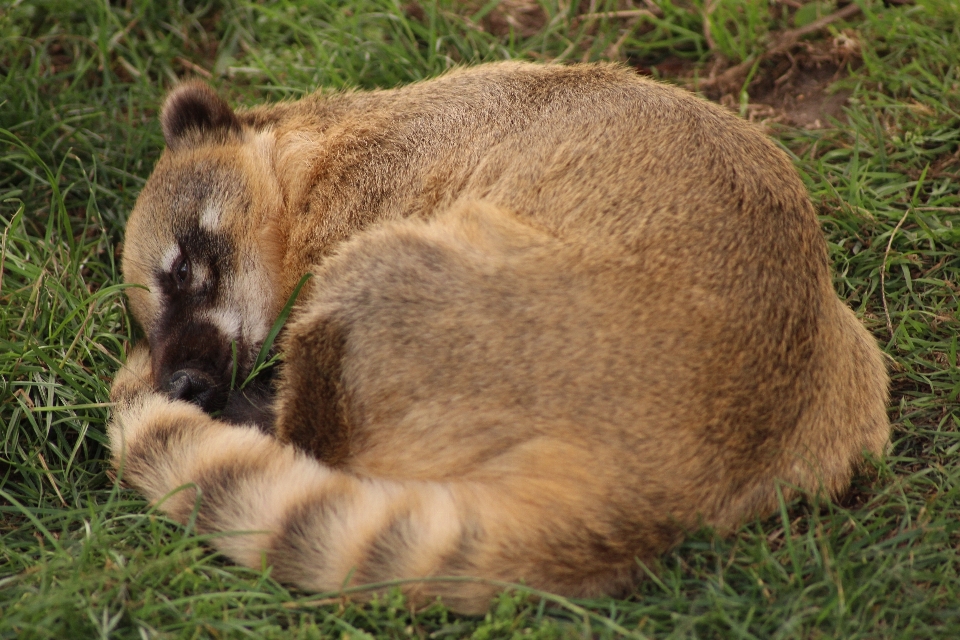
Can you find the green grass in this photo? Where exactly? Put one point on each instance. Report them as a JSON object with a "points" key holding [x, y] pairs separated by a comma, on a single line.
{"points": [[80, 82]]}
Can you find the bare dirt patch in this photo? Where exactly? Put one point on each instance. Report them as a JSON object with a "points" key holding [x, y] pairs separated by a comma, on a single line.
{"points": [[791, 81], [524, 17], [794, 87], [805, 101], [794, 91]]}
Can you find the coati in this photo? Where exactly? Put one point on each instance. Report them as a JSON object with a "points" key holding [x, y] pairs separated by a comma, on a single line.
{"points": [[558, 316]]}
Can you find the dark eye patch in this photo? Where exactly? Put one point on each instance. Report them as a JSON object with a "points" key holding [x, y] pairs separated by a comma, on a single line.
{"points": [[182, 273], [200, 251]]}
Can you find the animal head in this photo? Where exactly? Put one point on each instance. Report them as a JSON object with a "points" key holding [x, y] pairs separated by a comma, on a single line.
{"points": [[197, 243]]}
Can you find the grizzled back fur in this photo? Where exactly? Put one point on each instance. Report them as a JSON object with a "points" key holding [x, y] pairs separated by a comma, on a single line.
{"points": [[558, 316]]}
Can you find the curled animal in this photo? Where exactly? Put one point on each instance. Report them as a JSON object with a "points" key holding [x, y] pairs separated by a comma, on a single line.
{"points": [[557, 317]]}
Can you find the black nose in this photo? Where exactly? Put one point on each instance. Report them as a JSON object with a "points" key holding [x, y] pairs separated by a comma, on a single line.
{"points": [[193, 386]]}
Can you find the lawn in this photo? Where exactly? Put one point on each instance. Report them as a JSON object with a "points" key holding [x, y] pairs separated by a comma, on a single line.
{"points": [[866, 99]]}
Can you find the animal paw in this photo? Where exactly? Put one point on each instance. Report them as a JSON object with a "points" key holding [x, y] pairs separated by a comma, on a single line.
{"points": [[134, 378], [132, 393]]}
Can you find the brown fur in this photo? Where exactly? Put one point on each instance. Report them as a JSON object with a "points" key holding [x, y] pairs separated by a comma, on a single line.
{"points": [[559, 316]]}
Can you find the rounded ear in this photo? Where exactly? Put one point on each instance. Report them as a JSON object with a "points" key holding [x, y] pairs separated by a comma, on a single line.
{"points": [[192, 113]]}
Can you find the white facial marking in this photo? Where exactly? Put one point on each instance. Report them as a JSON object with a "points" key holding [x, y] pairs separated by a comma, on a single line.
{"points": [[169, 255], [227, 321], [210, 216]]}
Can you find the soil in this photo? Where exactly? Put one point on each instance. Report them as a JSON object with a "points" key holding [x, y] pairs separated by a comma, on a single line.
{"points": [[804, 101], [803, 98], [792, 85]]}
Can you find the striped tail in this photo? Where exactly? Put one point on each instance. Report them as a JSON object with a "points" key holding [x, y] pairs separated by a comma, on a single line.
{"points": [[322, 529]]}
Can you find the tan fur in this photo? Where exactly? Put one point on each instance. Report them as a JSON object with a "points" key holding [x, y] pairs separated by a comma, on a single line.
{"points": [[558, 317]]}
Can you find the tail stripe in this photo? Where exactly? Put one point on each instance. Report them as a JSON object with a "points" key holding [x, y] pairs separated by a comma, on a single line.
{"points": [[388, 551], [304, 545], [315, 526]]}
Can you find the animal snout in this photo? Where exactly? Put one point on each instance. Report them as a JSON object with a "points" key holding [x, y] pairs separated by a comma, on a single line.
{"points": [[193, 386]]}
